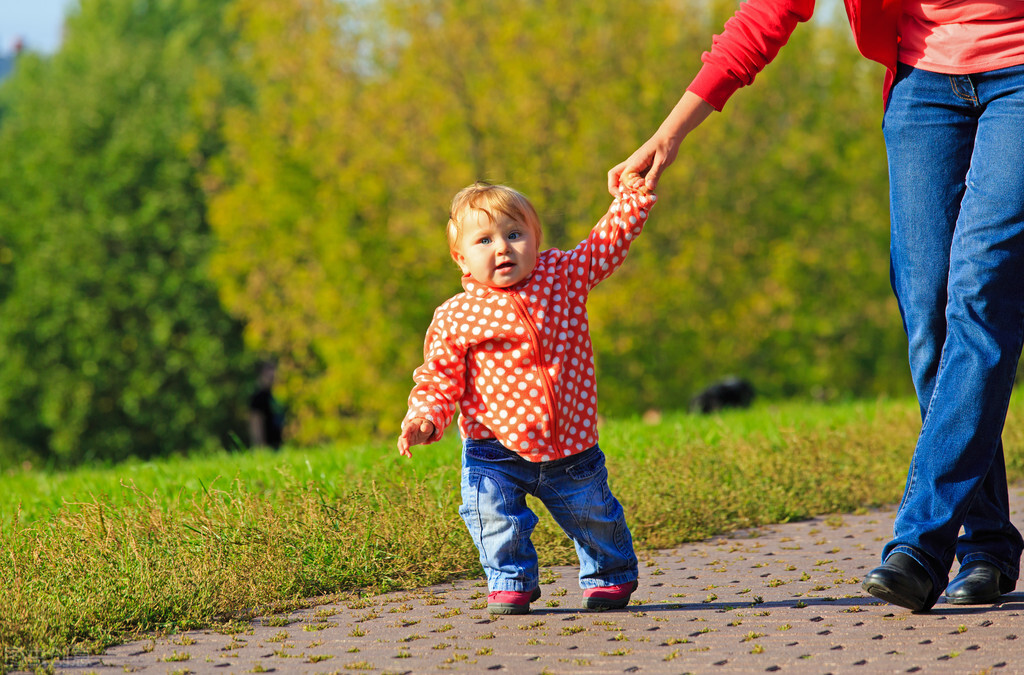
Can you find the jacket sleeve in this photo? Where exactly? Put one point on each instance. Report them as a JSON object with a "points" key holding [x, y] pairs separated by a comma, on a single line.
{"points": [[603, 251], [749, 42], [441, 380]]}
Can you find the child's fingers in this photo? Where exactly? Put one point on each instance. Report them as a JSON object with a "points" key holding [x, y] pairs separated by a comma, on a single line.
{"points": [[407, 438], [415, 432], [633, 181]]}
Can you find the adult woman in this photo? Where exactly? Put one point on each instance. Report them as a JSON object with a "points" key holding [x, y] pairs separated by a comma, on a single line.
{"points": [[954, 133]]}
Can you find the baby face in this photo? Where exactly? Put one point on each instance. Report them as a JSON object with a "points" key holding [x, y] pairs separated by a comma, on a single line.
{"points": [[497, 251]]}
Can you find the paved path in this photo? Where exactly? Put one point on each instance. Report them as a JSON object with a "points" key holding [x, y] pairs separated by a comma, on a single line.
{"points": [[783, 598]]}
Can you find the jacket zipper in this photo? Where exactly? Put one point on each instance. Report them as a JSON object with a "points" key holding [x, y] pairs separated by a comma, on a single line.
{"points": [[549, 387]]}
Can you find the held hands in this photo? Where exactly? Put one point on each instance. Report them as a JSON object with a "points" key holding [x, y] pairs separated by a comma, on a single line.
{"points": [[652, 158], [633, 181], [644, 167], [415, 432]]}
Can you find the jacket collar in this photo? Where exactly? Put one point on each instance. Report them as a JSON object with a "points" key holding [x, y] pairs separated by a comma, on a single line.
{"points": [[473, 287], [479, 290]]}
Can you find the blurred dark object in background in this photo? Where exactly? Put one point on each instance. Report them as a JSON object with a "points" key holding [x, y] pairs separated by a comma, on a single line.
{"points": [[731, 392]]}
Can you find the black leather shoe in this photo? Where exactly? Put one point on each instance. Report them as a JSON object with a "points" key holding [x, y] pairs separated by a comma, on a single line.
{"points": [[902, 581], [978, 583]]}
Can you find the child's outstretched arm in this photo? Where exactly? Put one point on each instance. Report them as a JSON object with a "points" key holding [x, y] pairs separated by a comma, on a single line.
{"points": [[603, 251], [416, 431]]}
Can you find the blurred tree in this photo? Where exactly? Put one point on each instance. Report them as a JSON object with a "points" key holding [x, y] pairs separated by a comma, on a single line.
{"points": [[113, 342], [292, 208], [766, 257], [331, 198], [768, 254], [330, 136]]}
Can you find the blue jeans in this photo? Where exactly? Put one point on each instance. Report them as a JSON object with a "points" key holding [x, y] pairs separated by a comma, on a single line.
{"points": [[495, 482], [956, 171]]}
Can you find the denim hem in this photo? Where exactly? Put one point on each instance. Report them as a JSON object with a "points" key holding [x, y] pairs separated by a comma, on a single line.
{"points": [[614, 580], [939, 583], [514, 585], [1011, 571]]}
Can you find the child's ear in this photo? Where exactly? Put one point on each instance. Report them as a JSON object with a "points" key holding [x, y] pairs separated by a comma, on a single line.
{"points": [[460, 260]]}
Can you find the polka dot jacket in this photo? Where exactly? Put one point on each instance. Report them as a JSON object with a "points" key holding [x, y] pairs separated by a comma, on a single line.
{"points": [[518, 361]]}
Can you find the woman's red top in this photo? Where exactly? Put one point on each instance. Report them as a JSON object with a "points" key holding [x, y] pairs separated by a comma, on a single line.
{"points": [[754, 35]]}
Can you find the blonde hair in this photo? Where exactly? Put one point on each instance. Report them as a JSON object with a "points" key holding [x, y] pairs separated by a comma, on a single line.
{"points": [[490, 199]]}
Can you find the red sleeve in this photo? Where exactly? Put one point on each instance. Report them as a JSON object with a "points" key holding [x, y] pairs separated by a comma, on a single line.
{"points": [[603, 251], [441, 380], [749, 42]]}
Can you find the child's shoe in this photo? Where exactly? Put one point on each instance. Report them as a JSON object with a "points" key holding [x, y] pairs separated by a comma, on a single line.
{"points": [[511, 602], [608, 597]]}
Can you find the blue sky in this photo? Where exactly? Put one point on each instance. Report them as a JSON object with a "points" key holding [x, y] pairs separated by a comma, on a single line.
{"points": [[36, 22]]}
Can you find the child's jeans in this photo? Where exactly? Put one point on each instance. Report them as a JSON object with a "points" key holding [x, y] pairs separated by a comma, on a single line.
{"points": [[495, 482]]}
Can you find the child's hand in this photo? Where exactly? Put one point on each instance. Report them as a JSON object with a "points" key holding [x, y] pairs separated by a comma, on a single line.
{"points": [[415, 432], [633, 181]]}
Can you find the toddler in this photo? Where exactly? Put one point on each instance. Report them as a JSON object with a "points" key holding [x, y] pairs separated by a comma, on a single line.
{"points": [[513, 352]]}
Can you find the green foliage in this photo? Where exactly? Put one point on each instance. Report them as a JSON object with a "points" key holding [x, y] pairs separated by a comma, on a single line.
{"points": [[112, 339], [766, 256], [303, 256], [328, 138]]}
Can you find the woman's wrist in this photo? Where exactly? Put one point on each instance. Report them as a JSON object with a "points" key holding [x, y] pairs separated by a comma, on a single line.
{"points": [[686, 116]]}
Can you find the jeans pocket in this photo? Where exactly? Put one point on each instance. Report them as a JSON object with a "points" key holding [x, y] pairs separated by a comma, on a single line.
{"points": [[487, 451], [588, 466]]}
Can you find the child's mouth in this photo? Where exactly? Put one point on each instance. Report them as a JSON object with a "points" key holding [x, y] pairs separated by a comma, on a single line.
{"points": [[506, 265]]}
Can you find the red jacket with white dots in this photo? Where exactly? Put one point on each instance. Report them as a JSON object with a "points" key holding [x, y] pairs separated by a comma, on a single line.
{"points": [[518, 361]]}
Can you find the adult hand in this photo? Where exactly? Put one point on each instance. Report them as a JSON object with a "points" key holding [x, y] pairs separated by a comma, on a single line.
{"points": [[648, 162], [416, 431], [653, 157]]}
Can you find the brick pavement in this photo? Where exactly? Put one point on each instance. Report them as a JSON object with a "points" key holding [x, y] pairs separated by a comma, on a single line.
{"points": [[783, 598]]}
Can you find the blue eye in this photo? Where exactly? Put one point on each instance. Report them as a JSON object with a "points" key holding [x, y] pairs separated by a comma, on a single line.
{"points": [[484, 240], [514, 235]]}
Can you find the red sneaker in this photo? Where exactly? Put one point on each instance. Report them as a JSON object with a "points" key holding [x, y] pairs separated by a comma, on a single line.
{"points": [[608, 597], [511, 602]]}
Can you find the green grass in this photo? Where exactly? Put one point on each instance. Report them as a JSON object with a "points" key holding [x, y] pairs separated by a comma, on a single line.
{"points": [[96, 556]]}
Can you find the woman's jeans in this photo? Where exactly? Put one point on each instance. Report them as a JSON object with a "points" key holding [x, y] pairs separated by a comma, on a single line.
{"points": [[495, 482], [956, 173]]}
